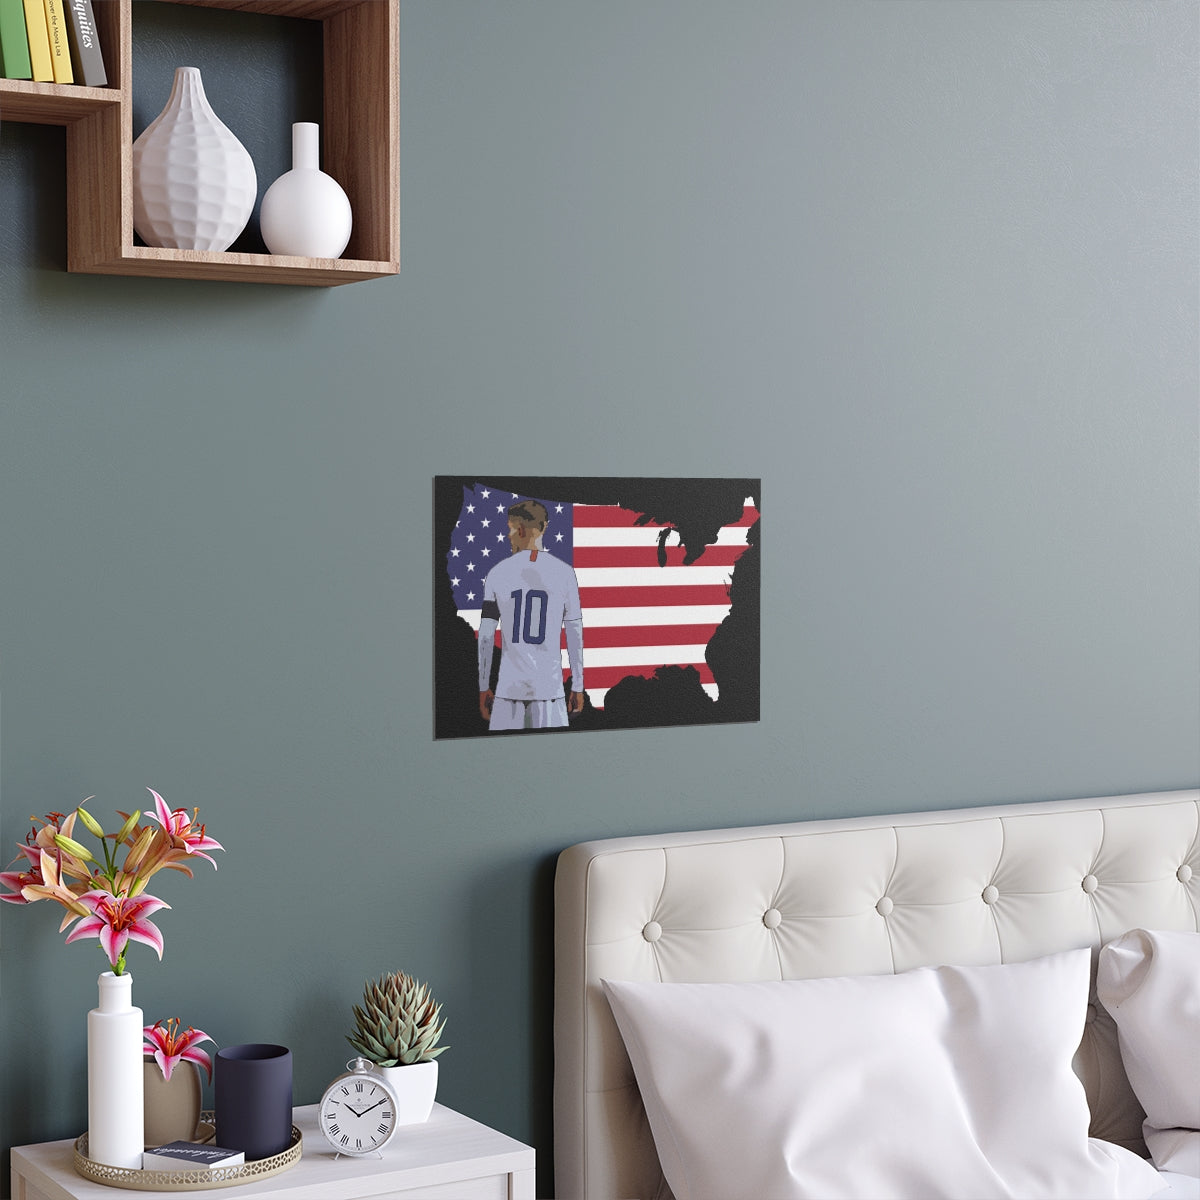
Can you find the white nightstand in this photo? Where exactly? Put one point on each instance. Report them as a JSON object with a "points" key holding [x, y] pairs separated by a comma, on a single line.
{"points": [[449, 1157]]}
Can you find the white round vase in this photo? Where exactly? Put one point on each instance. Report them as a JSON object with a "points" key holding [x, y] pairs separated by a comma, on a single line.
{"points": [[115, 1089], [194, 183], [415, 1088], [305, 211]]}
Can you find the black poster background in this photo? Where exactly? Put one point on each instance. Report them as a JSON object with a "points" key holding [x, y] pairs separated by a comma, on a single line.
{"points": [[697, 508]]}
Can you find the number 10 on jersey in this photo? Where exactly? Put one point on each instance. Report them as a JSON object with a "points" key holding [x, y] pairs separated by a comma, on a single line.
{"points": [[529, 616]]}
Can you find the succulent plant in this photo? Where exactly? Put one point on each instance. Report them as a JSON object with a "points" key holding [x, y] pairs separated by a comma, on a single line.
{"points": [[397, 1023]]}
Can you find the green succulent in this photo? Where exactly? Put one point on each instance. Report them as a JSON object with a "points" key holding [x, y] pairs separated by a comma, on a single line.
{"points": [[397, 1023]]}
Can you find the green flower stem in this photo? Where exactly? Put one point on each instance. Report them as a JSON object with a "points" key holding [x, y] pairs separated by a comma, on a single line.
{"points": [[110, 867]]}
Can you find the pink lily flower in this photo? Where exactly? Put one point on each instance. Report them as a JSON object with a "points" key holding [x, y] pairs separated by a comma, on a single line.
{"points": [[54, 828], [37, 843], [51, 887], [43, 882], [105, 899], [18, 881], [15, 881], [185, 835], [116, 920], [53, 823], [168, 1046]]}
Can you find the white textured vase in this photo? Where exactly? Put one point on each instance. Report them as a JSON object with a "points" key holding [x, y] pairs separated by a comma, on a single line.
{"points": [[305, 211], [414, 1087], [194, 183], [115, 1089]]}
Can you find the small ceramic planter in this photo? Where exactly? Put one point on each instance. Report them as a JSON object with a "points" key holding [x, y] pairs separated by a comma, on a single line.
{"points": [[414, 1087], [172, 1107]]}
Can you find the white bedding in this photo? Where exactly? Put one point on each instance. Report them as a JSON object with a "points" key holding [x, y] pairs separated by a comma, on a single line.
{"points": [[872, 896], [933, 1084], [1150, 982], [1177, 1187]]}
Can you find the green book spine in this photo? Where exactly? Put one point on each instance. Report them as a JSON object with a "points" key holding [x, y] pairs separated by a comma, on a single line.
{"points": [[14, 48]]}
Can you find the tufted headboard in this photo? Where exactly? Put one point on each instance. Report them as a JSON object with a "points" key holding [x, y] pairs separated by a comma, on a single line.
{"points": [[860, 896]]}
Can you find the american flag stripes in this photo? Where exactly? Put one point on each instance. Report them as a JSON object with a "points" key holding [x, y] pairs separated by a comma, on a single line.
{"points": [[643, 608]]}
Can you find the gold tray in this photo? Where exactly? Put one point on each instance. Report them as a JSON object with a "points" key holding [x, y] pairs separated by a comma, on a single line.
{"points": [[186, 1180]]}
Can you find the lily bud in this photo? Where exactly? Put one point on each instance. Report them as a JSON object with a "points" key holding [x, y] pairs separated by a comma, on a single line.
{"points": [[129, 826], [93, 826], [133, 860], [73, 848]]}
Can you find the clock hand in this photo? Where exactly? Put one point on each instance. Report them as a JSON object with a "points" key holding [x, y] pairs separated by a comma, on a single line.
{"points": [[375, 1105]]}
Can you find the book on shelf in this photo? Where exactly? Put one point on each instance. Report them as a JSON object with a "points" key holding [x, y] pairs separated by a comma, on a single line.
{"points": [[60, 48], [14, 49], [39, 41], [190, 1156], [86, 59]]}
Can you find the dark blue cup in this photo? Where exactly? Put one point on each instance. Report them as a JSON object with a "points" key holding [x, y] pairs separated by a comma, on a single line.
{"points": [[252, 1090]]}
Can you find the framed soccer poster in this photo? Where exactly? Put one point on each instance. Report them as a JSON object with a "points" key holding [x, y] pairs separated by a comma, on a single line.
{"points": [[580, 604]]}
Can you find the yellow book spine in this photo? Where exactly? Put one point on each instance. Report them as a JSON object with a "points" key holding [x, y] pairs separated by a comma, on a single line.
{"points": [[39, 41], [60, 47]]}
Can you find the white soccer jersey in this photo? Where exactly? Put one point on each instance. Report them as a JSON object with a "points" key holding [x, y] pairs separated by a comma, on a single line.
{"points": [[531, 597]]}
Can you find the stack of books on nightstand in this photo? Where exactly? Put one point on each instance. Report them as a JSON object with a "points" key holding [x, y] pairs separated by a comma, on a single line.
{"points": [[185, 1156]]}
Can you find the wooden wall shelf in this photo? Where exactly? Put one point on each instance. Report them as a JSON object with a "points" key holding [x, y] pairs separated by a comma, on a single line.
{"points": [[360, 133]]}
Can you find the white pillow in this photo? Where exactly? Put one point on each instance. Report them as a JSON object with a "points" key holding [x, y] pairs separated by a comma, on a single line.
{"points": [[940, 1082], [1150, 982]]}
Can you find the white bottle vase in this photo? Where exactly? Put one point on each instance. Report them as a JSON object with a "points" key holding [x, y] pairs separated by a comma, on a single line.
{"points": [[115, 1088], [305, 211], [194, 183]]}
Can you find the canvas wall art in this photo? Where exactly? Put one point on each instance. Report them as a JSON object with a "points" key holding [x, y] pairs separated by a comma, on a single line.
{"points": [[580, 604]]}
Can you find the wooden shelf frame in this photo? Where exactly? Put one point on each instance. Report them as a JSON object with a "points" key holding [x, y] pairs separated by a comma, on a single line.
{"points": [[360, 133]]}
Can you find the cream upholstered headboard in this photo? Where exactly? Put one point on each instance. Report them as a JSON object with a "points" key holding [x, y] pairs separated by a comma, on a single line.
{"points": [[860, 896]]}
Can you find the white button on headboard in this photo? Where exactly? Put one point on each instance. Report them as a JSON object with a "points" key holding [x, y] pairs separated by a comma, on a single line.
{"points": [[652, 931], [885, 906], [1184, 874], [991, 894], [1090, 884], [772, 918]]}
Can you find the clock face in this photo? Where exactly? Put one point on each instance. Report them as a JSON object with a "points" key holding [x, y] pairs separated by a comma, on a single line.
{"points": [[357, 1115]]}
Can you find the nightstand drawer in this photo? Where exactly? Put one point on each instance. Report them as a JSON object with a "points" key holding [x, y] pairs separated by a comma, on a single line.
{"points": [[494, 1187]]}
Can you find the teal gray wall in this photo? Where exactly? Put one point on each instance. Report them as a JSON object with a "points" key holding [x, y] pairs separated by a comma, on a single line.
{"points": [[928, 269]]}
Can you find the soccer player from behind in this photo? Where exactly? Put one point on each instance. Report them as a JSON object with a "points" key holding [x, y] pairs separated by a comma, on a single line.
{"points": [[532, 596]]}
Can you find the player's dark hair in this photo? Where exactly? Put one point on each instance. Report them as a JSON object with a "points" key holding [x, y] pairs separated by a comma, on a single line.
{"points": [[528, 510]]}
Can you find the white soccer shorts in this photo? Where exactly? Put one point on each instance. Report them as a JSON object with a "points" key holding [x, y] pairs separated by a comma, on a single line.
{"points": [[529, 714]]}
